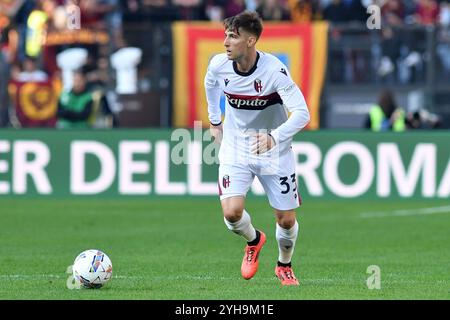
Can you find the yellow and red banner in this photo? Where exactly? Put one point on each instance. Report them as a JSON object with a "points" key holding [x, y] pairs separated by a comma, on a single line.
{"points": [[302, 47], [35, 103]]}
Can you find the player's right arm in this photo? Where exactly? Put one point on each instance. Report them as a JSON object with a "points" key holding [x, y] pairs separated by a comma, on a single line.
{"points": [[213, 92], [216, 132]]}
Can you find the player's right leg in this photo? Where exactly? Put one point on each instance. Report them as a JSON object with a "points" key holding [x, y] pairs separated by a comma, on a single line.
{"points": [[281, 188], [234, 182], [238, 221]]}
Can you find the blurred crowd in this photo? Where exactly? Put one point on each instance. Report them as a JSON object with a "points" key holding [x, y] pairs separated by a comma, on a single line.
{"points": [[25, 25], [32, 34], [393, 11]]}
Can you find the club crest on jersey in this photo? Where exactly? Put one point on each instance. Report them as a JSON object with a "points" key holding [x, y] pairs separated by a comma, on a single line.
{"points": [[258, 85], [226, 181], [226, 81]]}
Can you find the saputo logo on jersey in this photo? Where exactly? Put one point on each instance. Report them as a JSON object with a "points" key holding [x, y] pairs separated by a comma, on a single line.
{"points": [[252, 102]]}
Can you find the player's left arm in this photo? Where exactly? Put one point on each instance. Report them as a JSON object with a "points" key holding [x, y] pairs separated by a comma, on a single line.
{"points": [[295, 103]]}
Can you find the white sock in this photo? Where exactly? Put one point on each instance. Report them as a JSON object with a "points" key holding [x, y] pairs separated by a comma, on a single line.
{"points": [[242, 227], [286, 242]]}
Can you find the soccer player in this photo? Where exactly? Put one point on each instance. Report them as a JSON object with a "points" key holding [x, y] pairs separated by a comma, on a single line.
{"points": [[255, 138]]}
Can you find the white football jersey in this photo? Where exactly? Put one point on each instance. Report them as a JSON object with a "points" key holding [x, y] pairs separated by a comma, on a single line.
{"points": [[256, 100]]}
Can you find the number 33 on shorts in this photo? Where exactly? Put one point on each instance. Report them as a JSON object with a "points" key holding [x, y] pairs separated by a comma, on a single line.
{"points": [[284, 182]]}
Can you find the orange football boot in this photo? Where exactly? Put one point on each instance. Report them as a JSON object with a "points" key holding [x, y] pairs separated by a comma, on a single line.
{"points": [[286, 276], [250, 262]]}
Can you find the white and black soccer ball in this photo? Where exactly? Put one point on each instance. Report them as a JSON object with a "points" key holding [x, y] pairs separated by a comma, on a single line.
{"points": [[92, 269]]}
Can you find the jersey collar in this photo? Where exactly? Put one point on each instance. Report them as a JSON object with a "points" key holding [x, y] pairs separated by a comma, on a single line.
{"points": [[246, 74]]}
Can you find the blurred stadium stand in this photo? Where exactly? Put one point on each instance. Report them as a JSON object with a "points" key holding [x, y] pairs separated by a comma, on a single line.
{"points": [[155, 69], [355, 73], [412, 58]]}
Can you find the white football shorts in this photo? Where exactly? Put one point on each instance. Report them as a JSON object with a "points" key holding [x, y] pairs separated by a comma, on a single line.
{"points": [[276, 174]]}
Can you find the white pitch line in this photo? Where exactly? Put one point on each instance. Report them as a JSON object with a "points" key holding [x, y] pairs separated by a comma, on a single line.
{"points": [[319, 281], [407, 212], [25, 276], [40, 276]]}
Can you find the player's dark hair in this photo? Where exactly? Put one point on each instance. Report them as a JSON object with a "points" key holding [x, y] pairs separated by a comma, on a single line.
{"points": [[248, 21]]}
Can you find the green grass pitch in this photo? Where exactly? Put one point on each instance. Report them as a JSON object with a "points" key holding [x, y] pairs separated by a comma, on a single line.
{"points": [[179, 248]]}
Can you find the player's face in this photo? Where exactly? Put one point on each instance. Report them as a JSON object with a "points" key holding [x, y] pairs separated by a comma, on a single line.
{"points": [[236, 45]]}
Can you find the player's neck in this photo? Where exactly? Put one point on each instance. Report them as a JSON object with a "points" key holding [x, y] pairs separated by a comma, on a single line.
{"points": [[246, 63]]}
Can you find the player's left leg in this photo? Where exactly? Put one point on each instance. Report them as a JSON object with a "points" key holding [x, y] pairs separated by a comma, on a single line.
{"points": [[280, 184], [286, 235]]}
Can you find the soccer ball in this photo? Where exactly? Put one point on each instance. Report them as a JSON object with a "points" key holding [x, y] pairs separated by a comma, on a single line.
{"points": [[92, 269]]}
